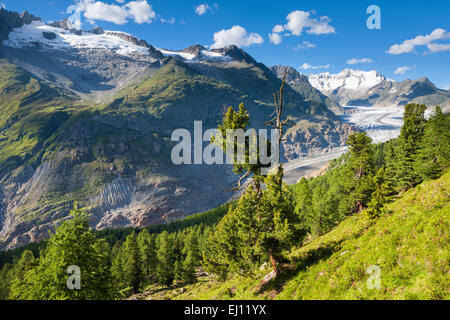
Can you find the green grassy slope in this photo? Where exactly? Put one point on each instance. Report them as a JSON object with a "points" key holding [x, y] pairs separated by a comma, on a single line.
{"points": [[30, 112], [180, 94], [409, 243], [176, 93]]}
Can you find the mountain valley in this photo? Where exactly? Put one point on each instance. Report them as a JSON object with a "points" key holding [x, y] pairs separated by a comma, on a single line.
{"points": [[87, 116]]}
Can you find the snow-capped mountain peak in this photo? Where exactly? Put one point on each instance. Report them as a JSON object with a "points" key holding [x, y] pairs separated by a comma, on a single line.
{"points": [[98, 62], [370, 88], [43, 36], [348, 79], [61, 36]]}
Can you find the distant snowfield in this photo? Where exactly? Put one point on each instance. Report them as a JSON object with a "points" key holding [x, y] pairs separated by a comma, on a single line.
{"points": [[348, 79], [32, 34], [189, 57], [381, 124]]}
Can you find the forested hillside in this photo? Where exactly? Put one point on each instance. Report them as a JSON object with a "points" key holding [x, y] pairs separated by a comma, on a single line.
{"points": [[384, 205], [409, 243]]}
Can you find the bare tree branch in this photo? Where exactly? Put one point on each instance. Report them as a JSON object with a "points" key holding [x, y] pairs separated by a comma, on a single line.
{"points": [[238, 187]]}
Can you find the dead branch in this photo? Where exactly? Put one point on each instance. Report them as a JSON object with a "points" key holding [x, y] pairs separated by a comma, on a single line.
{"points": [[239, 186]]}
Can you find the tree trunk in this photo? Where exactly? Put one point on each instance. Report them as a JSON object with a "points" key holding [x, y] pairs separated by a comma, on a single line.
{"points": [[258, 188], [360, 206], [274, 265]]}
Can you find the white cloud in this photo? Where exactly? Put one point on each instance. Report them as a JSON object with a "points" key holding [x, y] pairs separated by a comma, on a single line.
{"points": [[355, 61], [403, 69], [278, 28], [140, 11], [426, 40], [236, 35], [437, 47], [106, 12], [302, 20], [202, 9], [299, 21], [307, 66], [170, 21], [2, 5], [304, 45], [275, 38]]}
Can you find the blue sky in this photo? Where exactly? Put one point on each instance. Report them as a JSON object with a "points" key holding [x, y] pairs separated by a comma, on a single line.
{"points": [[316, 35]]}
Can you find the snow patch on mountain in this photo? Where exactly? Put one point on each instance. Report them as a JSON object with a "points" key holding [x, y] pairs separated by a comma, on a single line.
{"points": [[347, 79], [203, 55], [179, 54], [44, 36], [47, 37], [369, 88]]}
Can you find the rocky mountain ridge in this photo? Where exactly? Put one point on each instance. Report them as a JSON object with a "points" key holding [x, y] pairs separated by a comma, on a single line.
{"points": [[300, 83], [370, 88]]}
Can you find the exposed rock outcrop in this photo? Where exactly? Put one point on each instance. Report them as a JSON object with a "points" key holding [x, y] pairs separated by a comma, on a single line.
{"points": [[10, 20], [308, 138], [66, 25]]}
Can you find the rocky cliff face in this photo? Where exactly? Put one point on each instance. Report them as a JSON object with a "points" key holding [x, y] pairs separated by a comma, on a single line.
{"points": [[309, 137], [10, 20], [292, 75], [301, 84]]}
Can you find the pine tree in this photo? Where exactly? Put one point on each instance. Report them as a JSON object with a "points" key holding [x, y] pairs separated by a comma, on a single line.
{"points": [[409, 142], [133, 267], [24, 264], [164, 269], [239, 120], [434, 153], [303, 197], [118, 258], [6, 279], [279, 226], [323, 212], [222, 247], [230, 247], [259, 228], [390, 162], [381, 195], [192, 254], [357, 181], [147, 245], [178, 271], [264, 223], [379, 154], [72, 244]]}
